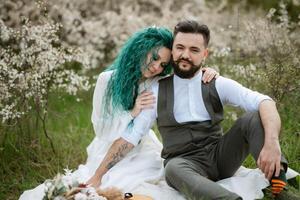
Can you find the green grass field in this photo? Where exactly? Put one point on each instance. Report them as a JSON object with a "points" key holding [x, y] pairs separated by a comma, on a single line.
{"points": [[24, 166]]}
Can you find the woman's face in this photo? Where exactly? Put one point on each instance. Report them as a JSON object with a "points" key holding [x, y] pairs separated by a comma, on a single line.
{"points": [[156, 62]]}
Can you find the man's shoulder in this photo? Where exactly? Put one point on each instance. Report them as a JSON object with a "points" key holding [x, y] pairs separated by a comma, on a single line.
{"points": [[221, 80]]}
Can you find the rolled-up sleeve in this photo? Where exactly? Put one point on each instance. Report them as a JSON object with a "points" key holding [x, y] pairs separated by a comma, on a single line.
{"points": [[233, 93], [142, 124], [135, 131]]}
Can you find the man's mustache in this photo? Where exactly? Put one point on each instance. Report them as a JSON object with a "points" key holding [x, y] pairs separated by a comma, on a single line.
{"points": [[183, 59]]}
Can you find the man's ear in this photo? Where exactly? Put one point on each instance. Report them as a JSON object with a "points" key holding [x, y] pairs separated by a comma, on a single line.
{"points": [[206, 52]]}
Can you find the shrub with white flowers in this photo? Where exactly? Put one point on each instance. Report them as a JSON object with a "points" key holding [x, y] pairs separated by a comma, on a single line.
{"points": [[273, 42], [33, 61]]}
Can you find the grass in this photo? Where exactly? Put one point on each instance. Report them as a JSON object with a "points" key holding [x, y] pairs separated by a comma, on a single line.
{"points": [[24, 165]]}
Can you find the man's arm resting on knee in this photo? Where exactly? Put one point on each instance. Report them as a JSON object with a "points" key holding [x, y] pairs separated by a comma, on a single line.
{"points": [[270, 155], [117, 151]]}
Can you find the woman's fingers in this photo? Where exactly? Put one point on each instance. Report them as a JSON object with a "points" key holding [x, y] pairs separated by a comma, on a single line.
{"points": [[209, 74], [148, 98], [145, 98], [209, 77], [147, 106], [147, 101], [145, 93]]}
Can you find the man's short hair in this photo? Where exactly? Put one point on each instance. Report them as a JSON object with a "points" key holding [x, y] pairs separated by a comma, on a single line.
{"points": [[192, 26]]}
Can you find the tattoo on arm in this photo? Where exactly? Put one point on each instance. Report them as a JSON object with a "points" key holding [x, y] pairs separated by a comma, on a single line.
{"points": [[118, 155]]}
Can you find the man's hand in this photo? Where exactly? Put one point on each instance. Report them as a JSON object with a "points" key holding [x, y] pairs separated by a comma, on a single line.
{"points": [[111, 194], [94, 181], [269, 158], [209, 74]]}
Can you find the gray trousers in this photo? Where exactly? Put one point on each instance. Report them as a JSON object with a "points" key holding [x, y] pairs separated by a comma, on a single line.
{"points": [[195, 175]]}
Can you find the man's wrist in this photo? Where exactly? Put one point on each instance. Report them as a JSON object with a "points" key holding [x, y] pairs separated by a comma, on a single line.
{"points": [[271, 134], [272, 138]]}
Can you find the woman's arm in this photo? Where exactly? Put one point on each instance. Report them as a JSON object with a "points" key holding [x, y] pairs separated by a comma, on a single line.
{"points": [[117, 151], [120, 147]]}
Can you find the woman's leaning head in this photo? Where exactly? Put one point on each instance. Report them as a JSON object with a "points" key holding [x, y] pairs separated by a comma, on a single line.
{"points": [[146, 54], [143, 48]]}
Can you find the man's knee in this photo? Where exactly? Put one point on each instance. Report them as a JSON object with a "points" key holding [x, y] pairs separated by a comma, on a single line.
{"points": [[174, 172], [172, 167]]}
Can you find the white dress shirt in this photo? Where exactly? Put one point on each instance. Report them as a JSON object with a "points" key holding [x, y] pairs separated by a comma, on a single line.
{"points": [[189, 105]]}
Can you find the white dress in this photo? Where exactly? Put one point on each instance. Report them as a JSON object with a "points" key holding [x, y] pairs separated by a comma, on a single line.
{"points": [[141, 171]]}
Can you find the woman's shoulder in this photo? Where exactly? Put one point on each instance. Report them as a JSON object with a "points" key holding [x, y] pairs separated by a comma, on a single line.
{"points": [[105, 75]]}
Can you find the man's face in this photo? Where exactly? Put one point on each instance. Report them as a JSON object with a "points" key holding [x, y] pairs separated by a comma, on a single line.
{"points": [[188, 54]]}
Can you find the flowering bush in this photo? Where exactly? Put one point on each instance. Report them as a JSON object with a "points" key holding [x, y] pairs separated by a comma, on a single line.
{"points": [[33, 61], [274, 43], [100, 27], [262, 53]]}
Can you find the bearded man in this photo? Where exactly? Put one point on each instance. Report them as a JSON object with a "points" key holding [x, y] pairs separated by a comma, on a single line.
{"points": [[188, 116]]}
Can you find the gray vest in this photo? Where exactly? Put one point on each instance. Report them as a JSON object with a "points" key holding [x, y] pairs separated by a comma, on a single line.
{"points": [[183, 139]]}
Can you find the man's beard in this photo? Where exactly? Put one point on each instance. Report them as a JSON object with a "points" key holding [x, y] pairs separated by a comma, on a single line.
{"points": [[185, 73]]}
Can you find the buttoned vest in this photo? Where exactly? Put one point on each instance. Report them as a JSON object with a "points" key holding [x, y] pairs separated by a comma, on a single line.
{"points": [[180, 139]]}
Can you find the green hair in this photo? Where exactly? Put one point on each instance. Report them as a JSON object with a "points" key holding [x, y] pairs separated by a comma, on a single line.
{"points": [[122, 88]]}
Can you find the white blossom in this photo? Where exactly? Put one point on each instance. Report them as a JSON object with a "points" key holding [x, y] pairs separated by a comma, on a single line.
{"points": [[271, 13], [37, 66], [59, 188], [80, 196]]}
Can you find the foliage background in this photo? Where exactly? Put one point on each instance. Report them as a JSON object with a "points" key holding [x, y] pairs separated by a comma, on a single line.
{"points": [[252, 43]]}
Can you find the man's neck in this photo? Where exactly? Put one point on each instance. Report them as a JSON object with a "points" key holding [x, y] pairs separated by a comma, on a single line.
{"points": [[197, 72]]}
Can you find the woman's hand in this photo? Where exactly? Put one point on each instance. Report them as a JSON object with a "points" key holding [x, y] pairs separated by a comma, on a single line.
{"points": [[209, 74], [94, 181], [111, 194], [144, 100]]}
